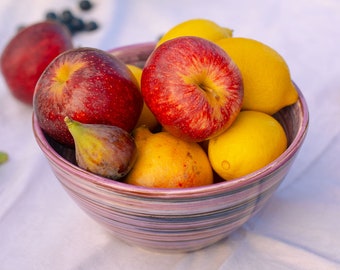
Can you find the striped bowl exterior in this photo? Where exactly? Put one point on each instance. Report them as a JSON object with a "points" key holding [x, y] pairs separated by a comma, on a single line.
{"points": [[174, 220]]}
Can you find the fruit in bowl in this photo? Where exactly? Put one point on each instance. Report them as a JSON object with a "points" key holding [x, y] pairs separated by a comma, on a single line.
{"points": [[266, 77], [105, 150], [253, 141], [166, 161], [90, 86], [173, 219], [192, 87], [198, 27], [146, 118]]}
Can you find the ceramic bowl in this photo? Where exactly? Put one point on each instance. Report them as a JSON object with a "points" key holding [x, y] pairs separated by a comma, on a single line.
{"points": [[174, 220]]}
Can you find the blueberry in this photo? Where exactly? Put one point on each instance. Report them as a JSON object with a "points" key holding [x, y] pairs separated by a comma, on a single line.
{"points": [[73, 23], [20, 27], [85, 5], [66, 16], [51, 15], [91, 26], [77, 24]]}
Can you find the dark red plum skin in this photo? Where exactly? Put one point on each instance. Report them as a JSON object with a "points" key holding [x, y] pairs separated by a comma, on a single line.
{"points": [[29, 52]]}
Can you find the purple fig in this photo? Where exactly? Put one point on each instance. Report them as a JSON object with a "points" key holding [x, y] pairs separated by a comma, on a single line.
{"points": [[105, 150]]}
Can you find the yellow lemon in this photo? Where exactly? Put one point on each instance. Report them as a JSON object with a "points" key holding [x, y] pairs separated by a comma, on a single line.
{"points": [[266, 77], [253, 141], [146, 118], [165, 161], [199, 27]]}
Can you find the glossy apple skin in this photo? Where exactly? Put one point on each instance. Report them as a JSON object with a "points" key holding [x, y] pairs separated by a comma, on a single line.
{"points": [[90, 86], [29, 52], [192, 87]]}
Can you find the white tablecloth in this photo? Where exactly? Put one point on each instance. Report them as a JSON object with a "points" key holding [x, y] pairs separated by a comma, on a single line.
{"points": [[42, 228]]}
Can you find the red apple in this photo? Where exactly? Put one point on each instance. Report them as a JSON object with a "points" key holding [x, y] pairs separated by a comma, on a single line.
{"points": [[90, 86], [192, 87], [29, 52]]}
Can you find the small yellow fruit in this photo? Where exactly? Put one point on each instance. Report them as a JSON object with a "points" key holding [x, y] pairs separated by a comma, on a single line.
{"points": [[165, 161], [253, 141], [197, 27], [146, 118], [266, 78]]}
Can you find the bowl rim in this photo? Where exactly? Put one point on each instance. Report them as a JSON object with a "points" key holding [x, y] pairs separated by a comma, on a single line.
{"points": [[122, 187]]}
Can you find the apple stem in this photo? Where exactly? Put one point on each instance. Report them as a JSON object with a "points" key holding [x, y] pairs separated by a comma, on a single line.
{"points": [[205, 88]]}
